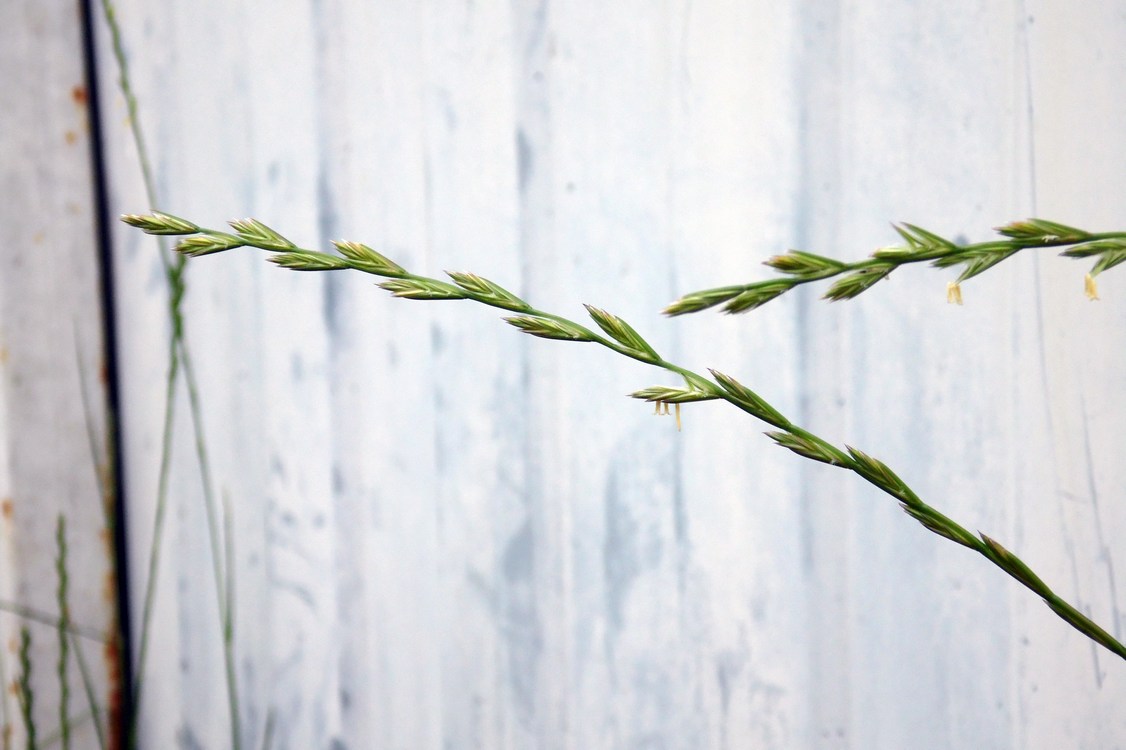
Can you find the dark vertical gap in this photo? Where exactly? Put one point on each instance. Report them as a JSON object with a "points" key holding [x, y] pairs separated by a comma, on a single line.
{"points": [[99, 187]]}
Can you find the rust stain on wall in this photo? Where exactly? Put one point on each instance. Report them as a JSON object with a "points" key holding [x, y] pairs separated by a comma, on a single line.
{"points": [[7, 508], [114, 696], [78, 94], [71, 137], [109, 588]]}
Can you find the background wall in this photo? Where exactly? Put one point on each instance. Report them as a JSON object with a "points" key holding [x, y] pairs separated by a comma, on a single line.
{"points": [[55, 447], [449, 535]]}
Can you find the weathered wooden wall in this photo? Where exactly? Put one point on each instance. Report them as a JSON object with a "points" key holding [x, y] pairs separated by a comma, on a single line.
{"points": [[54, 435], [450, 535]]}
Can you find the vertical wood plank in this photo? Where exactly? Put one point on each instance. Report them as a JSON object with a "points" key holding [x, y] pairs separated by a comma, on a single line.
{"points": [[54, 434], [1078, 375], [908, 138], [732, 183]]}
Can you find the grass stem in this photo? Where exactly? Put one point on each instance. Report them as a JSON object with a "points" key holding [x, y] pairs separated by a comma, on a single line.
{"points": [[24, 689], [62, 600]]}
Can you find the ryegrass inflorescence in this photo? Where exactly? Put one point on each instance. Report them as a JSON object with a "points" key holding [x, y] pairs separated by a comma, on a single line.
{"points": [[920, 245], [623, 339]]}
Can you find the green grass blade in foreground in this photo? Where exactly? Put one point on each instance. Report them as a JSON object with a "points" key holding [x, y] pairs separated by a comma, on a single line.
{"points": [[23, 687], [919, 245], [52, 620], [76, 635], [55, 737], [178, 354], [173, 272], [62, 600], [226, 595], [90, 691], [268, 729], [67, 641], [103, 461], [697, 388]]}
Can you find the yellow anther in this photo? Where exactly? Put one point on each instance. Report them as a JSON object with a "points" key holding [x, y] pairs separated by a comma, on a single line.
{"points": [[954, 293], [1090, 288]]}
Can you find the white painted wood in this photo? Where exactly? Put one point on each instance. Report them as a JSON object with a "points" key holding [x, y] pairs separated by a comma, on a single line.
{"points": [[449, 535], [54, 435]]}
